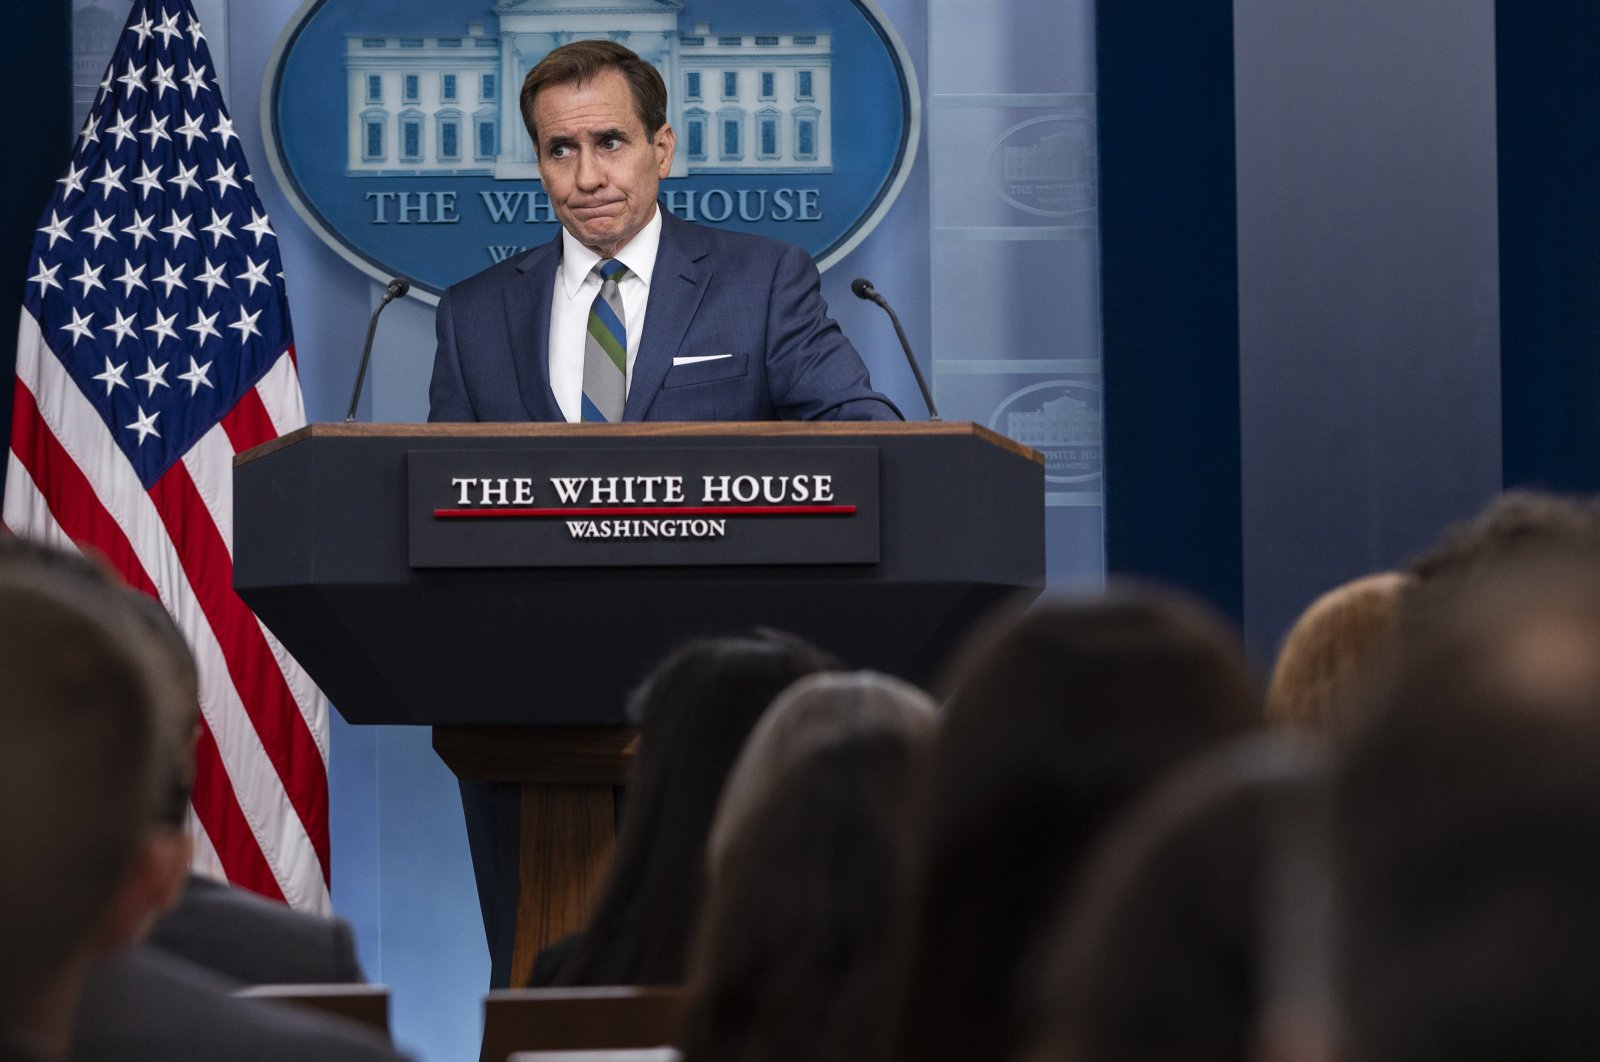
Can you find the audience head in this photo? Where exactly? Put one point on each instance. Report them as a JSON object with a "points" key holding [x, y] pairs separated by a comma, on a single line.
{"points": [[1467, 831], [807, 874], [1057, 722], [1336, 655], [819, 709], [694, 712], [79, 777], [1201, 919], [1519, 527]]}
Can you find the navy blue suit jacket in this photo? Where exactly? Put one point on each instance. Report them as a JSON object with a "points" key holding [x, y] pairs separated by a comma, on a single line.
{"points": [[713, 292]]}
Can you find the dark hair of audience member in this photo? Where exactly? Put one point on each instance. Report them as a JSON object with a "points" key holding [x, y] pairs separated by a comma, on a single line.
{"points": [[1168, 951], [1335, 657], [794, 956], [1467, 852], [1057, 722], [694, 712], [78, 767], [1519, 525]]}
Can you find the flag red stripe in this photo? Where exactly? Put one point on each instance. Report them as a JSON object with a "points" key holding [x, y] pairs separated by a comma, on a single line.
{"points": [[216, 805], [274, 711], [248, 423], [72, 500], [78, 510]]}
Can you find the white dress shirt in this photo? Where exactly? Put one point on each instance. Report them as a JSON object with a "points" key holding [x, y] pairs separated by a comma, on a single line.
{"points": [[574, 292]]}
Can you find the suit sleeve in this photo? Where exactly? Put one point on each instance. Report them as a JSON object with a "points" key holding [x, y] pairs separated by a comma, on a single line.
{"points": [[447, 392], [813, 371]]}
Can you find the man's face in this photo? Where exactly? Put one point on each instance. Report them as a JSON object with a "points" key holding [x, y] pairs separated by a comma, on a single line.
{"points": [[599, 167]]}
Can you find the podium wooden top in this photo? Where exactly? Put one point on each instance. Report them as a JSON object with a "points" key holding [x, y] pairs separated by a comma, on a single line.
{"points": [[646, 430]]}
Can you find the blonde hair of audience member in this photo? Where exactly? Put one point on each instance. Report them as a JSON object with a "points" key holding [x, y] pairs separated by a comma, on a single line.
{"points": [[1337, 653], [795, 954], [816, 710], [81, 770]]}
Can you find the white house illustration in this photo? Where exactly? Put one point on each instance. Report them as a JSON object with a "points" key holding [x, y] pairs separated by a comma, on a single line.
{"points": [[1066, 421], [430, 106]]}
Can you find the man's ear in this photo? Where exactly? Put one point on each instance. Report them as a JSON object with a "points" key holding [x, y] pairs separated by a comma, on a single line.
{"points": [[152, 885], [665, 143]]}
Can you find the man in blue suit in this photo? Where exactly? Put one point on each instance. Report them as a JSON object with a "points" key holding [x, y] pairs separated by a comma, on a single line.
{"points": [[701, 324]]}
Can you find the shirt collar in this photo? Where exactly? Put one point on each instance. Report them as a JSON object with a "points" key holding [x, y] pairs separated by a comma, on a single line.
{"points": [[638, 254]]}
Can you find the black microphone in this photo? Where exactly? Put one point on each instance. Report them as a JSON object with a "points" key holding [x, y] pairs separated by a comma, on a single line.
{"points": [[863, 289], [396, 289]]}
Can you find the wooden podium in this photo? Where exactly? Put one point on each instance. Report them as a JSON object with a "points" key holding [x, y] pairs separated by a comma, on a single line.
{"points": [[454, 575]]}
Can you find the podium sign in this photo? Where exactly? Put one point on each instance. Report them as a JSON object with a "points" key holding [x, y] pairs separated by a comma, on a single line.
{"points": [[657, 506]]}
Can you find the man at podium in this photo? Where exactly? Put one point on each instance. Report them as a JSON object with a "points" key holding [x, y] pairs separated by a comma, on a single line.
{"points": [[631, 313]]}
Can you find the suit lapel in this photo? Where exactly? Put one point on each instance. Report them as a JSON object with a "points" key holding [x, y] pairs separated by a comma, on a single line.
{"points": [[676, 288], [527, 303]]}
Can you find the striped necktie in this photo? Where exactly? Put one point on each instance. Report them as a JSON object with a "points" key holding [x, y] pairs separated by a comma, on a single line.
{"points": [[605, 349]]}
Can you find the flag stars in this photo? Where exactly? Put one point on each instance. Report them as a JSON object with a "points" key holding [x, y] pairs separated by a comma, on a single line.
{"points": [[140, 229], [78, 326], [254, 273], [246, 324], [101, 229], [156, 130], [163, 81], [179, 229], [195, 36], [258, 225], [122, 129], [142, 28], [212, 278], [204, 327], [169, 28], [131, 278], [171, 278], [90, 278], [46, 278], [196, 80], [134, 79], [184, 180], [154, 375], [224, 179], [163, 331], [112, 377], [197, 376], [218, 230], [191, 128], [124, 328], [91, 131], [224, 129], [73, 181], [56, 230], [145, 425], [110, 179], [148, 179]]}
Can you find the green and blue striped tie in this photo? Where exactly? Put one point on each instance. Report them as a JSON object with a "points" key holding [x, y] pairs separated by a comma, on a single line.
{"points": [[605, 349]]}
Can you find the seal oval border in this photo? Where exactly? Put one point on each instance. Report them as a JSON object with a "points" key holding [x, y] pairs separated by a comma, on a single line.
{"points": [[865, 223]]}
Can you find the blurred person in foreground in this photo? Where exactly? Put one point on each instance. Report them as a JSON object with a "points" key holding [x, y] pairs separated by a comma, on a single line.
{"points": [[807, 871], [79, 778], [1201, 932], [694, 712], [1057, 723], [226, 929], [1467, 831]]}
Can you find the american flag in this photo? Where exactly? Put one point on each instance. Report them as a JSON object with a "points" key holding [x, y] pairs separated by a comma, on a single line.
{"points": [[154, 345]]}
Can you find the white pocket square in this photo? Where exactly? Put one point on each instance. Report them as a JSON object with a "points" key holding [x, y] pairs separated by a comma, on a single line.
{"points": [[699, 358]]}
